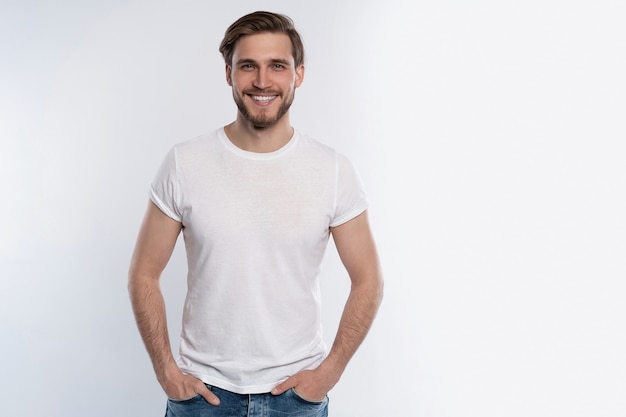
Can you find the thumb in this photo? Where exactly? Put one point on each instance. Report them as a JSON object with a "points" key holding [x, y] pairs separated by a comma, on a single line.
{"points": [[208, 395], [285, 385]]}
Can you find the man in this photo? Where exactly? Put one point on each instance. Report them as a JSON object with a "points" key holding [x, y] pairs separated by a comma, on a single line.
{"points": [[256, 201]]}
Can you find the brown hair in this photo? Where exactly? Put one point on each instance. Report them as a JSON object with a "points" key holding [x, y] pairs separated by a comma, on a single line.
{"points": [[259, 22]]}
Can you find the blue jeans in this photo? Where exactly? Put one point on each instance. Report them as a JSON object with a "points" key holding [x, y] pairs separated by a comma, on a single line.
{"points": [[288, 404]]}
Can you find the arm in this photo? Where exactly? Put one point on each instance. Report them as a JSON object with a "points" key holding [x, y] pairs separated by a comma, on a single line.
{"points": [[155, 243], [357, 250]]}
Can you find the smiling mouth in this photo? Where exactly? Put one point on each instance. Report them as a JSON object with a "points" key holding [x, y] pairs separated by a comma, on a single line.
{"points": [[263, 99]]}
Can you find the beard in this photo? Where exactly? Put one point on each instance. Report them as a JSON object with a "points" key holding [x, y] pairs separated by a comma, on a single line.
{"points": [[263, 120]]}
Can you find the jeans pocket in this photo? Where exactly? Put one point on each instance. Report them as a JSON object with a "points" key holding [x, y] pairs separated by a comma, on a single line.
{"points": [[307, 401], [195, 397], [185, 400], [195, 406]]}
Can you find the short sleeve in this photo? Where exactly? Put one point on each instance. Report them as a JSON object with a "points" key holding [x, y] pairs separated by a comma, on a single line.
{"points": [[165, 188], [350, 198]]}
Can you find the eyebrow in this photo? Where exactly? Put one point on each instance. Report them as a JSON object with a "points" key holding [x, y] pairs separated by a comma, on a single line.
{"points": [[273, 61]]}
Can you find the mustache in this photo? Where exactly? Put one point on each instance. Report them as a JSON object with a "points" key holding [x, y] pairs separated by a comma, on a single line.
{"points": [[257, 91]]}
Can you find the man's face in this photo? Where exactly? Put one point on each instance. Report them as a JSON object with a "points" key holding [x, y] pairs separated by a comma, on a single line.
{"points": [[263, 78]]}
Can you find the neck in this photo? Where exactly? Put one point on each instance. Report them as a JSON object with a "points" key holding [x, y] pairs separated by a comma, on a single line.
{"points": [[246, 136]]}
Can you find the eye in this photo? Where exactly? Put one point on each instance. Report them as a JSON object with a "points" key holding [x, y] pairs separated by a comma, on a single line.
{"points": [[247, 67], [279, 67]]}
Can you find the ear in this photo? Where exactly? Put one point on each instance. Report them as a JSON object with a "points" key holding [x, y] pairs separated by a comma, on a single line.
{"points": [[299, 75], [229, 78]]}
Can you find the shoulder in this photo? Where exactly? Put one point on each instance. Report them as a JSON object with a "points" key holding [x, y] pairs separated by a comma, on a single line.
{"points": [[191, 150], [196, 143], [317, 149], [313, 145]]}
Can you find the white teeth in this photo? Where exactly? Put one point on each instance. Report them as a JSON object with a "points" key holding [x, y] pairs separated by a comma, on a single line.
{"points": [[263, 98]]}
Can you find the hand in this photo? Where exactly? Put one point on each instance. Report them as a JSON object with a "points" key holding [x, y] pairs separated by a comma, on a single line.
{"points": [[310, 385], [181, 386]]}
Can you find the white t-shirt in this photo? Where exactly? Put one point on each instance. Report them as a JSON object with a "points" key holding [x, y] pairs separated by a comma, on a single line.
{"points": [[255, 226]]}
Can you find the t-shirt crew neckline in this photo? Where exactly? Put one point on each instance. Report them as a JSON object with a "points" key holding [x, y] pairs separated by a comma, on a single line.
{"points": [[259, 156]]}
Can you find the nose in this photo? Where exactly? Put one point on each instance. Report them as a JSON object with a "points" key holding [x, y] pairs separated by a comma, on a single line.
{"points": [[262, 80]]}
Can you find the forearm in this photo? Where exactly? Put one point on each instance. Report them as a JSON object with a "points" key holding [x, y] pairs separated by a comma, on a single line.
{"points": [[149, 309], [356, 321]]}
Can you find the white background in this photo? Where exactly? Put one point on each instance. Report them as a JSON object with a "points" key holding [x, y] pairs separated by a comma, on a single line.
{"points": [[490, 137]]}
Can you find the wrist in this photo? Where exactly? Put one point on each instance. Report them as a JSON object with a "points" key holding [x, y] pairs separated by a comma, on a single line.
{"points": [[168, 373], [331, 369]]}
